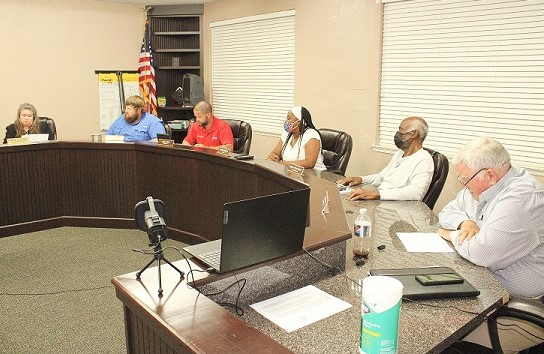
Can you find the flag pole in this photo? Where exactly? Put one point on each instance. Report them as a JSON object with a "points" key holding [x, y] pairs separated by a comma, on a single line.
{"points": [[147, 82], [146, 70]]}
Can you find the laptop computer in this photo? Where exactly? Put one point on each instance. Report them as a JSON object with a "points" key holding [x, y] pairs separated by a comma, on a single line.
{"points": [[256, 230], [37, 138], [413, 290]]}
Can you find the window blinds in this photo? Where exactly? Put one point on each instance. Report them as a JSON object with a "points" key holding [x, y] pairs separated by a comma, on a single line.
{"points": [[253, 69], [470, 68]]}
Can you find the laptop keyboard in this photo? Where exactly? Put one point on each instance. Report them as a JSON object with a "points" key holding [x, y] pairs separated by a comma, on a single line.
{"points": [[212, 258]]}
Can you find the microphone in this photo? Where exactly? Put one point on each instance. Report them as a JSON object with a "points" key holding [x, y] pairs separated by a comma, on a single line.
{"points": [[156, 228]]}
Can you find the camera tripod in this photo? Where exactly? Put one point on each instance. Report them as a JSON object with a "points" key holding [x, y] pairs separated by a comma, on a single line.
{"points": [[158, 255]]}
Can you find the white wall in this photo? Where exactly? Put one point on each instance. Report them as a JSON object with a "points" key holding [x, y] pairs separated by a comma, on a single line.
{"points": [[50, 50], [337, 51], [337, 72]]}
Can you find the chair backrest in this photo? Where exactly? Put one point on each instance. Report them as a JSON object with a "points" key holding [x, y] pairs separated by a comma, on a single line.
{"points": [[51, 123], [168, 129], [242, 135], [336, 148], [441, 169]]}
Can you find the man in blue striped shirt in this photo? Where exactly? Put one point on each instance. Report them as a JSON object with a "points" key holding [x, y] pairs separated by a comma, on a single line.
{"points": [[497, 220]]}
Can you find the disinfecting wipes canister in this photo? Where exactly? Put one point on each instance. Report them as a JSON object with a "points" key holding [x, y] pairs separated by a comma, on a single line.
{"points": [[380, 310]]}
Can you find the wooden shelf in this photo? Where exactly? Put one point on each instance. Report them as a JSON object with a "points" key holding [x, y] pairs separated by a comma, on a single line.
{"points": [[173, 50], [177, 108], [178, 67], [184, 33], [175, 39]]}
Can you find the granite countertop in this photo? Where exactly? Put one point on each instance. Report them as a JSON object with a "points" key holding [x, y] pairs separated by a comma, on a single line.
{"points": [[425, 325]]}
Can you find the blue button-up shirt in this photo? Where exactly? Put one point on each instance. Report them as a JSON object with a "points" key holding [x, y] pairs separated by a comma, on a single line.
{"points": [[145, 129], [510, 243]]}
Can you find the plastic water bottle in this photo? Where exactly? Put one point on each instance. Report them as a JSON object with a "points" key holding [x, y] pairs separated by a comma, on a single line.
{"points": [[361, 234]]}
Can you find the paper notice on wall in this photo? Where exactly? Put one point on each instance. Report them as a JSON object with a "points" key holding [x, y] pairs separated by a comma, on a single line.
{"points": [[111, 102], [130, 84]]}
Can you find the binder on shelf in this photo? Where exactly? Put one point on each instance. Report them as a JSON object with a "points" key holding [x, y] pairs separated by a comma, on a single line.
{"points": [[179, 124]]}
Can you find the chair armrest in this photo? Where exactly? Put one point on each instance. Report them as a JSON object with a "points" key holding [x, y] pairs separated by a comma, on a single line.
{"points": [[518, 307]]}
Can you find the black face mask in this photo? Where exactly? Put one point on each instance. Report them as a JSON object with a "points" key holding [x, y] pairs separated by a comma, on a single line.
{"points": [[398, 140]]}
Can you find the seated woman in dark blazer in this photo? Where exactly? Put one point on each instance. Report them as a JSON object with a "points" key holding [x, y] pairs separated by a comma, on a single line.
{"points": [[27, 122]]}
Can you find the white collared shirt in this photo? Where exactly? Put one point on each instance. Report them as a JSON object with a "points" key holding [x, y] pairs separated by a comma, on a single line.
{"points": [[404, 178]]}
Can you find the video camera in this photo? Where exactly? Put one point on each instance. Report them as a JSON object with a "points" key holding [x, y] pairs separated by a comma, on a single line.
{"points": [[148, 215]]}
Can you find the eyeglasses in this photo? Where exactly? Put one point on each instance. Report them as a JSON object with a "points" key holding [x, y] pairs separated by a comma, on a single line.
{"points": [[462, 179]]}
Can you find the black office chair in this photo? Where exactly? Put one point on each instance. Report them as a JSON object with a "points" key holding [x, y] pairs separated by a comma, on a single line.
{"points": [[168, 129], [51, 123], [441, 169], [336, 148], [517, 308], [242, 135], [520, 308]]}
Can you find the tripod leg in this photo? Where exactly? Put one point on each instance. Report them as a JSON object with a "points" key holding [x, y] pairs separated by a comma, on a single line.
{"points": [[158, 255], [173, 266], [144, 268], [160, 281]]}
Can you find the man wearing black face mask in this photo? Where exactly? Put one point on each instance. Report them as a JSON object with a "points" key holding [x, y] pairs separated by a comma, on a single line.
{"points": [[408, 174]]}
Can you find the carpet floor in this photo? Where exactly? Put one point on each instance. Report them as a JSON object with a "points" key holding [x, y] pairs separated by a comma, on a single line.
{"points": [[56, 294]]}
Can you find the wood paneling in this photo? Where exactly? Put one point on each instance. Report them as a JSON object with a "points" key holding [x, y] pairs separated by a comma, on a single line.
{"points": [[28, 189], [98, 184]]}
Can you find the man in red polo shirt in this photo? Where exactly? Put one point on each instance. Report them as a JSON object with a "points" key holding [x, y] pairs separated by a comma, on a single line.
{"points": [[208, 130]]}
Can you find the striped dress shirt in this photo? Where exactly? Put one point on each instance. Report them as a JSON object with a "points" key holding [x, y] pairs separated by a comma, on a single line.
{"points": [[510, 243]]}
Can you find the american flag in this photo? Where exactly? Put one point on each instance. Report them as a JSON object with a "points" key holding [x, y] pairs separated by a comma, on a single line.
{"points": [[147, 73]]}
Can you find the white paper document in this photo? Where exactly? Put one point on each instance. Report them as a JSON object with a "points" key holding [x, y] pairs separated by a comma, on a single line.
{"points": [[300, 307], [424, 242]]}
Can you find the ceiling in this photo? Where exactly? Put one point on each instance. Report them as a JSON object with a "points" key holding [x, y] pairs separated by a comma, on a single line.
{"points": [[159, 2]]}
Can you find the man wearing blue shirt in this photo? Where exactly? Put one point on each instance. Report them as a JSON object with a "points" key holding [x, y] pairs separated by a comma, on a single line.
{"points": [[136, 124], [497, 221]]}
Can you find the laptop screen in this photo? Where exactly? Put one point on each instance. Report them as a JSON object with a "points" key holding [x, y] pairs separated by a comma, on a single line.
{"points": [[263, 228], [37, 138]]}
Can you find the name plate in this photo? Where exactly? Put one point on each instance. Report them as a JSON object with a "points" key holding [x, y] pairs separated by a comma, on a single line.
{"points": [[296, 169], [165, 142], [114, 138], [223, 151], [18, 141]]}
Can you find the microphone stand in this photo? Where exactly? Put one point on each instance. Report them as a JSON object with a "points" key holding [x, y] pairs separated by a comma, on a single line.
{"points": [[158, 255]]}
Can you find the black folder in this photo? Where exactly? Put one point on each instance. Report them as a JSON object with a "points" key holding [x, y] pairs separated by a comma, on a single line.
{"points": [[413, 290]]}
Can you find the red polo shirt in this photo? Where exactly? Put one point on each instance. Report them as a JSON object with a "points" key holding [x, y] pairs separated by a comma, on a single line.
{"points": [[219, 134]]}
